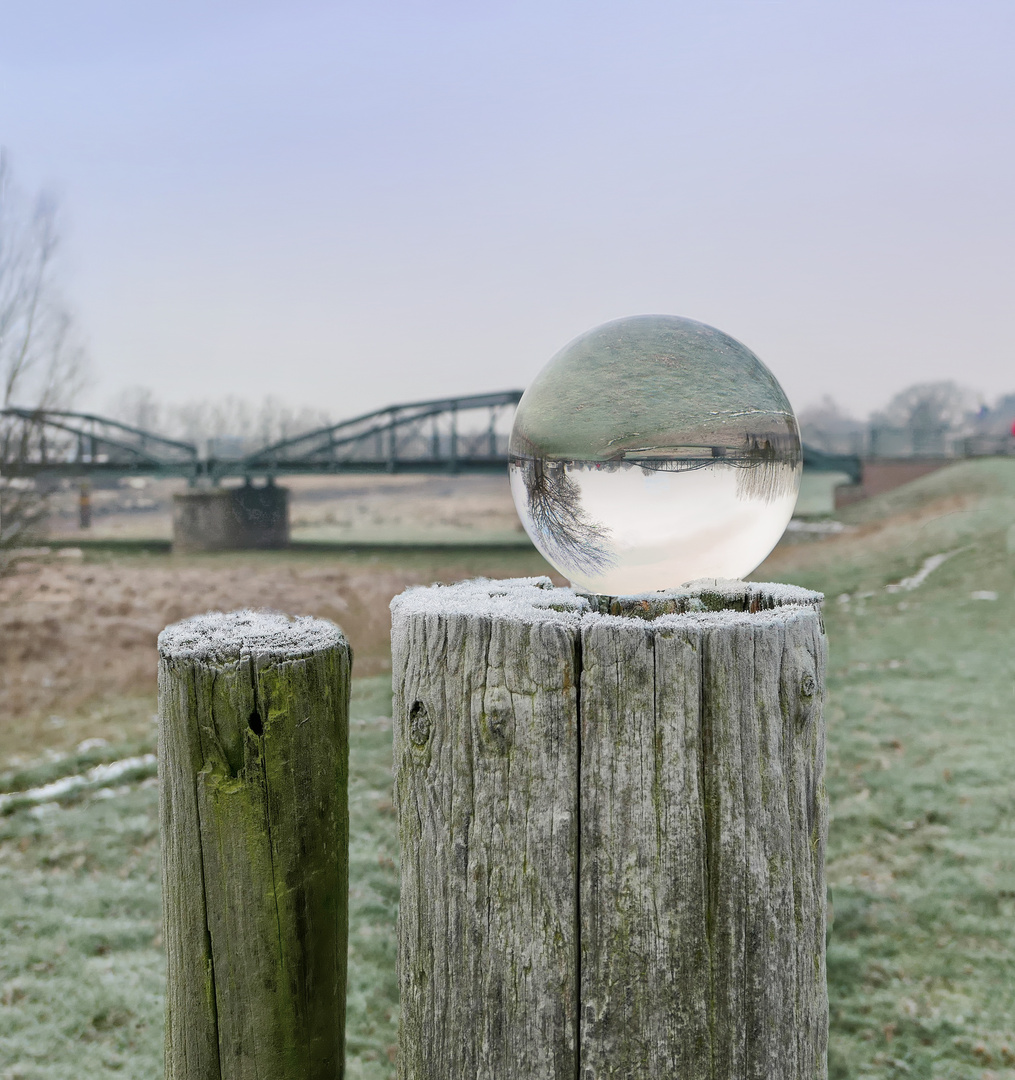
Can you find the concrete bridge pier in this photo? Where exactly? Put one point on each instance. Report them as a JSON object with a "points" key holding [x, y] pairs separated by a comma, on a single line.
{"points": [[230, 519]]}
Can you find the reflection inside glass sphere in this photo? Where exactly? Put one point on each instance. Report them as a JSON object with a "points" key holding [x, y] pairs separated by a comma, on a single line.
{"points": [[652, 451]]}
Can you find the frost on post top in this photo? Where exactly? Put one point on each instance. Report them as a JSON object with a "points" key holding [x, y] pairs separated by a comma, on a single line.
{"points": [[710, 602], [529, 600], [652, 451], [225, 636]]}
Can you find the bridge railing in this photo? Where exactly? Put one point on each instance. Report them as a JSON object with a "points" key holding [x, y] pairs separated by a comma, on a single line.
{"points": [[445, 432], [34, 441]]}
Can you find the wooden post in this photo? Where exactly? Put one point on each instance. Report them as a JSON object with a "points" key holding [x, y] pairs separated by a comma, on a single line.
{"points": [[613, 824], [85, 503], [253, 773]]}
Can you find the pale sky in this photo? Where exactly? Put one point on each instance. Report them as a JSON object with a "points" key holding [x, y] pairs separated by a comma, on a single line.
{"points": [[354, 204]]}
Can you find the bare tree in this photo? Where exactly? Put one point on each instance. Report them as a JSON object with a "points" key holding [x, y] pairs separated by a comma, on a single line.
{"points": [[928, 413], [944, 403], [826, 426], [41, 361], [137, 406], [227, 426]]}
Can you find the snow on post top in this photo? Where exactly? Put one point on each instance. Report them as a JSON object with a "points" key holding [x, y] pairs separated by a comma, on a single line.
{"points": [[220, 637]]}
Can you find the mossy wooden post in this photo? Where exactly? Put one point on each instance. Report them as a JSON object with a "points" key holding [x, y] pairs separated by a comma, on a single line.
{"points": [[253, 771], [613, 823]]}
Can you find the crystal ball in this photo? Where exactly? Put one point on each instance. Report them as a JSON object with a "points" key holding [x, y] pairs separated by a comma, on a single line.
{"points": [[651, 451]]}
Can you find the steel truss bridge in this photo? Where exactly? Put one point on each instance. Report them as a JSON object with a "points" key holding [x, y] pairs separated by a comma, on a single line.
{"points": [[454, 435]]}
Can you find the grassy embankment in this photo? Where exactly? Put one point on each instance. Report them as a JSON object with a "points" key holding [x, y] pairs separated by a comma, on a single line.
{"points": [[921, 779], [922, 841]]}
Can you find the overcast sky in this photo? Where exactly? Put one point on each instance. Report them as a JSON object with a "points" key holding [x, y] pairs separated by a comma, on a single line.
{"points": [[353, 204]]}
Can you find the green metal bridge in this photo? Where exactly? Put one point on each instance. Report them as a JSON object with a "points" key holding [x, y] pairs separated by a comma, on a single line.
{"points": [[454, 435], [462, 434]]}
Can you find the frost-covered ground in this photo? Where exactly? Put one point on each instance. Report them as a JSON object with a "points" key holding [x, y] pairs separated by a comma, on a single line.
{"points": [[921, 777], [81, 964]]}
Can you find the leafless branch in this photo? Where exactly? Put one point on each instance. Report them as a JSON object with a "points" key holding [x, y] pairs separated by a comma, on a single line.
{"points": [[41, 362]]}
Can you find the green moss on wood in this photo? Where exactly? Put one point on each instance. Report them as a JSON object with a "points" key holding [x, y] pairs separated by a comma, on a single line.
{"points": [[269, 778]]}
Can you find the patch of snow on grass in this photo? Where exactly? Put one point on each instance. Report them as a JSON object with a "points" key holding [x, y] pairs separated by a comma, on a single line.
{"points": [[930, 564], [827, 528], [100, 776]]}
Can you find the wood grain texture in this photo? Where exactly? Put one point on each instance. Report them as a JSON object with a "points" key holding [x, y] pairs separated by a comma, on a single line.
{"points": [[702, 848], [253, 761], [692, 791], [485, 768], [645, 949]]}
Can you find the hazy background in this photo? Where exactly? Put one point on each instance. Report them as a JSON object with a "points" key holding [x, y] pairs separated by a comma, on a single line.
{"points": [[348, 205]]}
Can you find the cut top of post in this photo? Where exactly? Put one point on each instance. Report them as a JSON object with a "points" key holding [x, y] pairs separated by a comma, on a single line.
{"points": [[708, 602], [220, 637]]}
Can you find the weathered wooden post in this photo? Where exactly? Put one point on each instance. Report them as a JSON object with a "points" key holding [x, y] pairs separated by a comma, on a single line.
{"points": [[253, 771], [85, 503], [613, 826]]}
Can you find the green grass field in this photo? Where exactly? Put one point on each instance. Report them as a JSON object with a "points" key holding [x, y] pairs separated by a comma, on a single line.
{"points": [[921, 780]]}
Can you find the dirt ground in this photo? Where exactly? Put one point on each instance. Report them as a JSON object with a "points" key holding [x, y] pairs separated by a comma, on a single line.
{"points": [[79, 630]]}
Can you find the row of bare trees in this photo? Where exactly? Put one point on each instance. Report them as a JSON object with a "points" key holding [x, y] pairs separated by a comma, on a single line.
{"points": [[925, 417], [228, 426]]}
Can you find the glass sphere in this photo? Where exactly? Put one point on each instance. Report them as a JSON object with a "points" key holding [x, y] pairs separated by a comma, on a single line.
{"points": [[652, 451]]}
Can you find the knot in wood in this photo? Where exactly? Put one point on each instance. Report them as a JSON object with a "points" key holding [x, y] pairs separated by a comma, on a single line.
{"points": [[419, 724], [497, 714], [808, 685]]}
